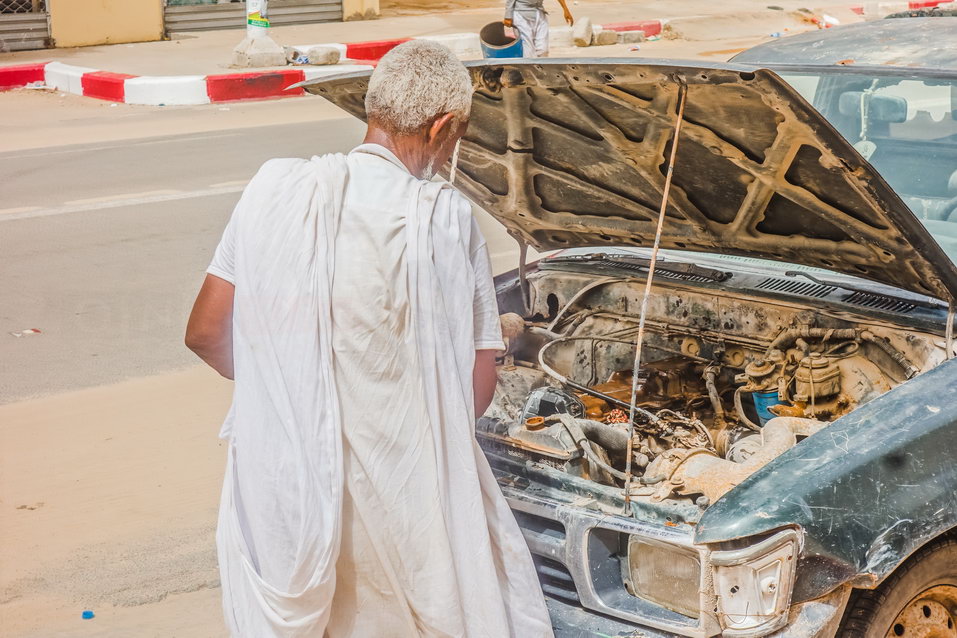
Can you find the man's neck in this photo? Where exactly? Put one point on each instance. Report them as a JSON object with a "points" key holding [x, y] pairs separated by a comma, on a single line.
{"points": [[405, 147]]}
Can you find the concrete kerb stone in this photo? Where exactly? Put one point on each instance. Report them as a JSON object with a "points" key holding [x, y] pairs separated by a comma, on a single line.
{"points": [[66, 77], [323, 56], [459, 43], [178, 90], [631, 37], [105, 85], [20, 75], [582, 32], [304, 48], [560, 37], [605, 37]]}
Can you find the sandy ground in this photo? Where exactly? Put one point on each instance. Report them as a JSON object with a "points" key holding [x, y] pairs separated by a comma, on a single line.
{"points": [[108, 499]]}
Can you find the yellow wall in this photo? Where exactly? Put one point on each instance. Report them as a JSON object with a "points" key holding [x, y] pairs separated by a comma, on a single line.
{"points": [[77, 23], [360, 9]]}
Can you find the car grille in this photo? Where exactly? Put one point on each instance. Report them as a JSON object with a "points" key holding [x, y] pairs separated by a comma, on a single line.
{"points": [[556, 580], [540, 525], [576, 553]]}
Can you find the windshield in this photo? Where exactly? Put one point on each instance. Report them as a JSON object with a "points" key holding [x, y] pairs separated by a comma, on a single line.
{"points": [[906, 128]]}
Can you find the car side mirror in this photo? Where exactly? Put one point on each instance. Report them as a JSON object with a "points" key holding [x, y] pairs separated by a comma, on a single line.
{"points": [[880, 108]]}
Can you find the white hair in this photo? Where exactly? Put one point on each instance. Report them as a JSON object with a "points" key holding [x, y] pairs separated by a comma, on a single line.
{"points": [[415, 83]]}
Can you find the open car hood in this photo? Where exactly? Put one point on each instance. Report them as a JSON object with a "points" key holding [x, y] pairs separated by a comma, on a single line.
{"points": [[571, 153]]}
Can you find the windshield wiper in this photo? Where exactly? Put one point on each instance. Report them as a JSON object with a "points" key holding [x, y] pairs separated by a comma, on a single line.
{"points": [[630, 262]]}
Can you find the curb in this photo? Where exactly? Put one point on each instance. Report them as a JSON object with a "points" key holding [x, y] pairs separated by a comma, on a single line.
{"points": [[174, 90], [650, 27], [881, 9]]}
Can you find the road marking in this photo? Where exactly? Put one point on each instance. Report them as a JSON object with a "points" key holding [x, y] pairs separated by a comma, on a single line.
{"points": [[119, 203], [21, 209], [235, 182], [124, 196], [86, 147]]}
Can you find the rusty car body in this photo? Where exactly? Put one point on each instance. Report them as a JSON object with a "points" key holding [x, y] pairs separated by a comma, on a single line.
{"points": [[794, 412]]}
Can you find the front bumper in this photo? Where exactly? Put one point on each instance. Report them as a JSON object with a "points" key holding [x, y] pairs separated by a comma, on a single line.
{"points": [[575, 536], [572, 621], [818, 618]]}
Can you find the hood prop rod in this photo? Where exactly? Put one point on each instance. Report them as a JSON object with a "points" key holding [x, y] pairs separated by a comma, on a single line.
{"points": [[949, 330], [523, 275], [682, 95]]}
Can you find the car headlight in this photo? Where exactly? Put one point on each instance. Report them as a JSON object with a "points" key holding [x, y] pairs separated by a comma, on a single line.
{"points": [[753, 585], [665, 576]]}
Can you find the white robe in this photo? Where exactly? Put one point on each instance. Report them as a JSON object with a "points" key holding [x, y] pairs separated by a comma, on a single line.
{"points": [[356, 500]]}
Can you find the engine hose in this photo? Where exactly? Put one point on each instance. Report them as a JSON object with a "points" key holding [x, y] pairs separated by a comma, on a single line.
{"points": [[582, 441], [710, 374], [910, 370], [790, 335], [607, 436], [653, 418], [751, 425]]}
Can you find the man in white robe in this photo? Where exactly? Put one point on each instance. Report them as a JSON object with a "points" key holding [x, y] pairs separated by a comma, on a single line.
{"points": [[352, 301]]}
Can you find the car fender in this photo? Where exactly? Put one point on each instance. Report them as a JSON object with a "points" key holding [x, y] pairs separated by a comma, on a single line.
{"points": [[867, 491]]}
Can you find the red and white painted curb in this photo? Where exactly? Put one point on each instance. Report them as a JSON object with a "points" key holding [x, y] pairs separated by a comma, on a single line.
{"points": [[881, 9], [167, 90], [262, 85]]}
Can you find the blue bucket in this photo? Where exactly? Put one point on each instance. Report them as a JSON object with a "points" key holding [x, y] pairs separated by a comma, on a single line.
{"points": [[495, 44], [763, 401]]}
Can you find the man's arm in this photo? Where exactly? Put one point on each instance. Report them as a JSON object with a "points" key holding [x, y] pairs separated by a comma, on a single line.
{"points": [[483, 380], [568, 14], [509, 12], [209, 332]]}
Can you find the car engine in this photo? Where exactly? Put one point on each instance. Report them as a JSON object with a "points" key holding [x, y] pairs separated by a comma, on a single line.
{"points": [[726, 383]]}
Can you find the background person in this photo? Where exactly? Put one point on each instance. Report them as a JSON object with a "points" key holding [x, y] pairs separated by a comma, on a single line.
{"points": [[530, 20]]}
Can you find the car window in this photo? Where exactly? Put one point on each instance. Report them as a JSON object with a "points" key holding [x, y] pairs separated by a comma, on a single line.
{"points": [[805, 84], [906, 128], [930, 110]]}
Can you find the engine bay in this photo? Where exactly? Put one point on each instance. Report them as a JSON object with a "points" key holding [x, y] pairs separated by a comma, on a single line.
{"points": [[727, 382]]}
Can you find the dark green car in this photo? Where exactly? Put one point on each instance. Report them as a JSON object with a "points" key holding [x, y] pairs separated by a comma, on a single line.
{"points": [[783, 461]]}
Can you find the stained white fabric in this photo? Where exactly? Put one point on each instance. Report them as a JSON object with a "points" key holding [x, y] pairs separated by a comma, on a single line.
{"points": [[357, 501], [532, 27]]}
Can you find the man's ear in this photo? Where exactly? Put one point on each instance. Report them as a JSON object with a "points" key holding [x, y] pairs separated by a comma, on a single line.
{"points": [[441, 128]]}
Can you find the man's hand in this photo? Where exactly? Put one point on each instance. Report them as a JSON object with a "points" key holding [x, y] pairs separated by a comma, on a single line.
{"points": [[209, 332], [507, 22], [568, 14]]}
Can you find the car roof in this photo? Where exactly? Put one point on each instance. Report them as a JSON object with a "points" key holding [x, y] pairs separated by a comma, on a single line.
{"points": [[916, 43]]}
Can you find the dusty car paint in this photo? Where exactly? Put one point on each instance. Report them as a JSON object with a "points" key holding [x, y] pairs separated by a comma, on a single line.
{"points": [[918, 44], [882, 475]]}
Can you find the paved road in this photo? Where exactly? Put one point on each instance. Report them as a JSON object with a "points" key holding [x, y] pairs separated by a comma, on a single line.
{"points": [[102, 247]]}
